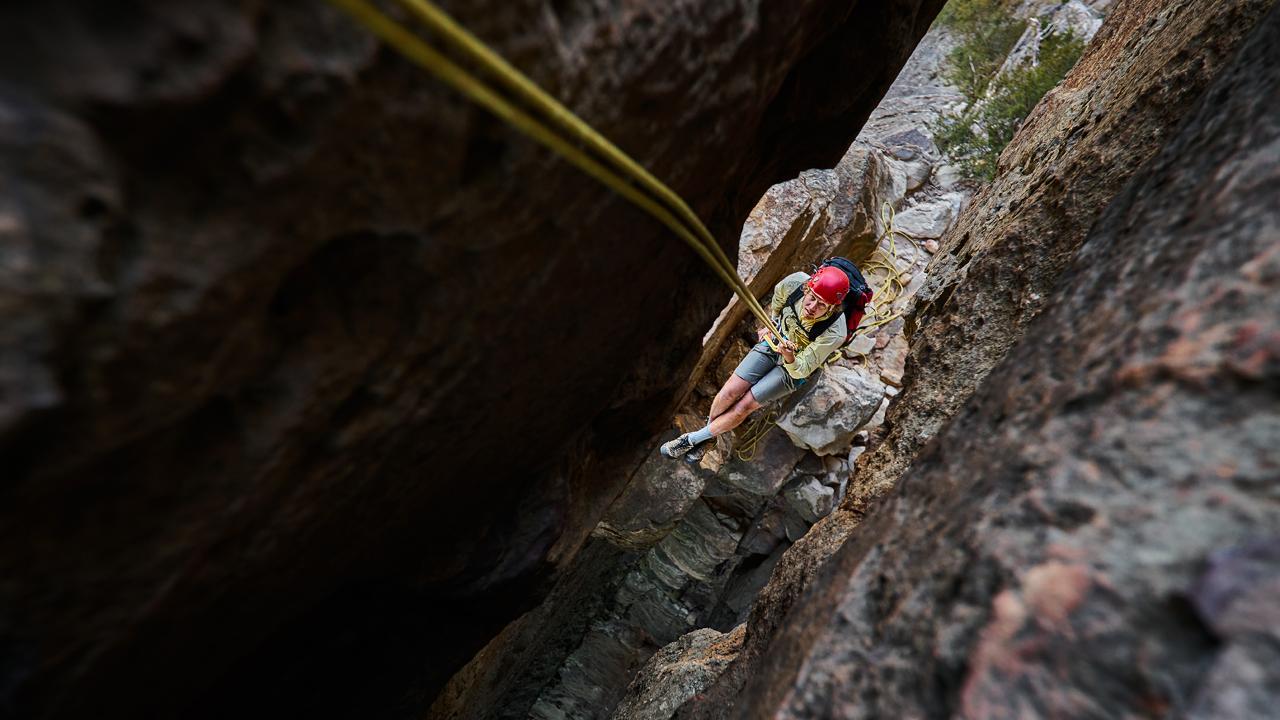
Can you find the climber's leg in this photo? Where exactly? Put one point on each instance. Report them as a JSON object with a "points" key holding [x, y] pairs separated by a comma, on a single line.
{"points": [[729, 395], [733, 417], [757, 380]]}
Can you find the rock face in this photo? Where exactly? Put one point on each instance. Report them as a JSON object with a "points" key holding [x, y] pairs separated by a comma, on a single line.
{"points": [[997, 267], [1135, 84], [296, 340], [663, 567], [1094, 534]]}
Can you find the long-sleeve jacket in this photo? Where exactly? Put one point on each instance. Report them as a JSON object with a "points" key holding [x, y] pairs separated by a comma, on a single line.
{"points": [[811, 355]]}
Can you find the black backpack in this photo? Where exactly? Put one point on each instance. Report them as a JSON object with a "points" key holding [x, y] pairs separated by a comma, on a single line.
{"points": [[853, 307]]}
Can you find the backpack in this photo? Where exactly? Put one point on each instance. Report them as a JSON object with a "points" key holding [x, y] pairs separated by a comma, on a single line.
{"points": [[853, 307]]}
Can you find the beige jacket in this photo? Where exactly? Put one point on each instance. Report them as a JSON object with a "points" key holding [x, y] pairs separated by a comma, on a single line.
{"points": [[811, 355]]}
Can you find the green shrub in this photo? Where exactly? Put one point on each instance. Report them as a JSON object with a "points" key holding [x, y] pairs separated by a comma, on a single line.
{"points": [[986, 32], [974, 138]]}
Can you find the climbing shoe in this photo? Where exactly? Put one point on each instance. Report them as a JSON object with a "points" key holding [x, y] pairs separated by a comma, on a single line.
{"points": [[676, 448]]}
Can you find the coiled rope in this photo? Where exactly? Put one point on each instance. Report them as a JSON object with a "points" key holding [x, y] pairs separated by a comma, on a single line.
{"points": [[749, 438], [559, 129], [886, 260]]}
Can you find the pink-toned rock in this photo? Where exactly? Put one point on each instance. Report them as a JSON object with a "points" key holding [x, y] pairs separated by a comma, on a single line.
{"points": [[893, 360]]}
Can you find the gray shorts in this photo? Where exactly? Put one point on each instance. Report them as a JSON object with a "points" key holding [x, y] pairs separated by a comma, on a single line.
{"points": [[769, 380]]}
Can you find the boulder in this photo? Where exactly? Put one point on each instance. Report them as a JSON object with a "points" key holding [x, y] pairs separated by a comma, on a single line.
{"points": [[948, 176], [811, 499], [893, 361], [678, 672], [827, 417], [767, 469], [927, 219], [1076, 17]]}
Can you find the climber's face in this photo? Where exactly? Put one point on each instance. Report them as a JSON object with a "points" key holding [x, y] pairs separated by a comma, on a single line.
{"points": [[811, 306]]}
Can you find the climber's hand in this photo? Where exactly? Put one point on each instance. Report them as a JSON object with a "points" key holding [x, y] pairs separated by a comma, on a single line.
{"points": [[763, 334], [787, 349]]}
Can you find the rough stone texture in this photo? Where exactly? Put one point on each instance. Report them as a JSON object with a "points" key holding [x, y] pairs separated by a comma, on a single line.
{"points": [[926, 220], [840, 402], [1236, 599], [658, 496], [249, 392], [1082, 142], [764, 472], [678, 672], [1134, 85], [1093, 535], [811, 499], [773, 218]]}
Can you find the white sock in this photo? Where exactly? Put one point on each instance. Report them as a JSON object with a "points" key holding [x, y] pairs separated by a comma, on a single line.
{"points": [[698, 437]]}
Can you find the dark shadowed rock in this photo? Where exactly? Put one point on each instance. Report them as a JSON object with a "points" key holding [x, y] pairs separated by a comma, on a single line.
{"points": [[658, 496], [313, 375]]}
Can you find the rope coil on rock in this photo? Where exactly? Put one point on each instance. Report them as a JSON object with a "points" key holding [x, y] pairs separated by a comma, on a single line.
{"points": [[893, 286], [559, 129], [749, 439]]}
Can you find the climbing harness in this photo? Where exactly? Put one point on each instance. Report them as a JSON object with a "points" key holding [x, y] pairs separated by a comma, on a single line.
{"points": [[557, 128]]}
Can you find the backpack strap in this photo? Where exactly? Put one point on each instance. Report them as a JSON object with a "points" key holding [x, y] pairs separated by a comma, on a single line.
{"points": [[794, 296], [822, 327]]}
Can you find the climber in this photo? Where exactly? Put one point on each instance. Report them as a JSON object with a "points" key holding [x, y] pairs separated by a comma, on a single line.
{"points": [[765, 375]]}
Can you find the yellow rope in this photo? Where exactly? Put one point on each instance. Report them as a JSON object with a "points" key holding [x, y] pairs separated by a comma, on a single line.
{"points": [[893, 286], [755, 432], [676, 214]]}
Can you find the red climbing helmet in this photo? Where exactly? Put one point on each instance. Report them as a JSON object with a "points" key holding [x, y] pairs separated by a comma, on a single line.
{"points": [[830, 284]]}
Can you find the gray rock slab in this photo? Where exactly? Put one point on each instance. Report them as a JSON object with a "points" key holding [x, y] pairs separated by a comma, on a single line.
{"points": [[826, 419]]}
